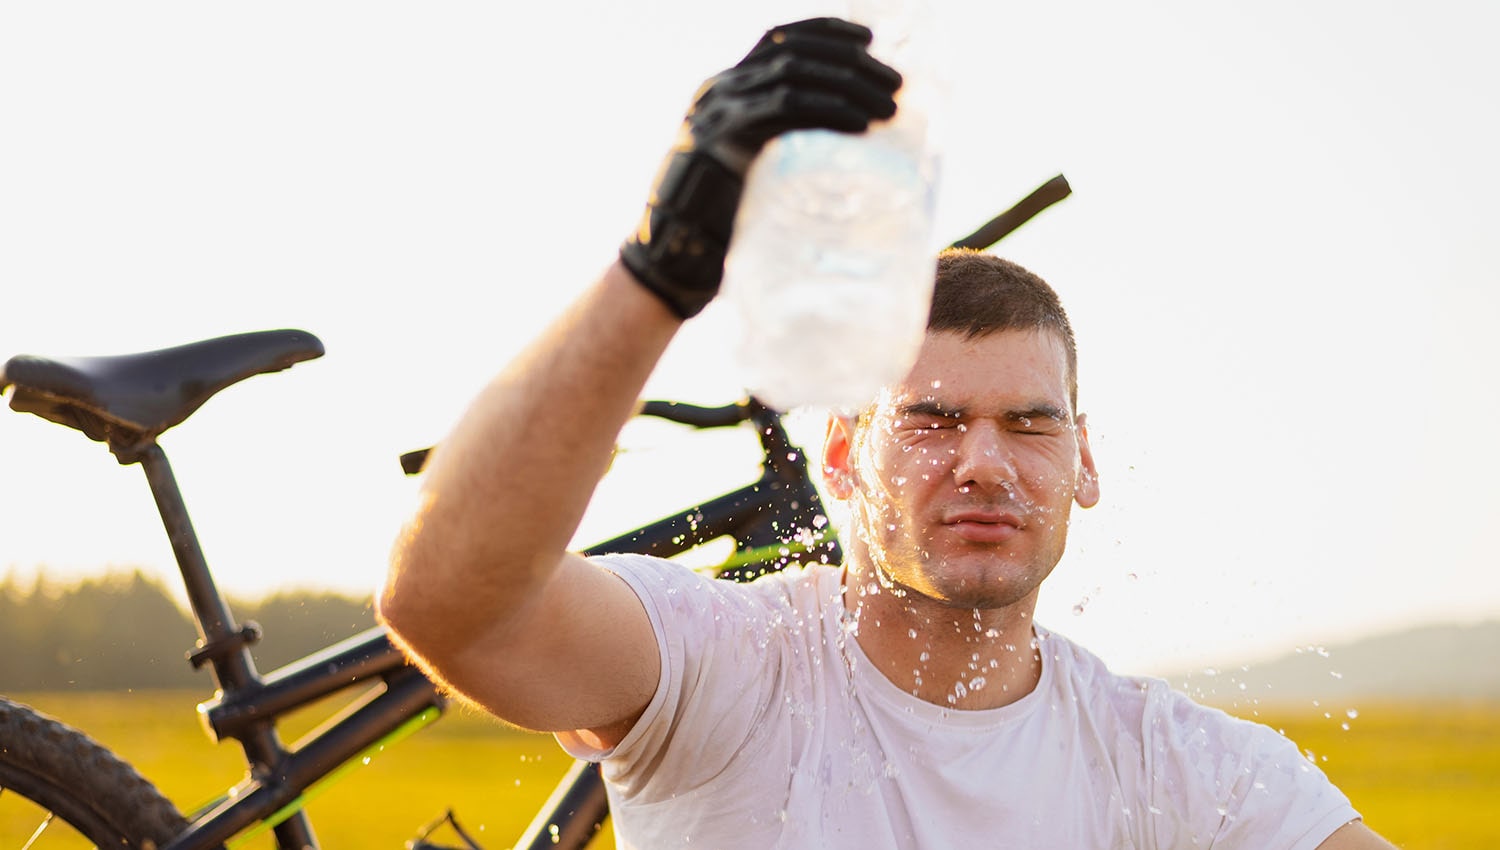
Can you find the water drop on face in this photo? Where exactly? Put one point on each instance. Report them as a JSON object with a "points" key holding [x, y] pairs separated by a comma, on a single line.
{"points": [[977, 683], [925, 657], [911, 633]]}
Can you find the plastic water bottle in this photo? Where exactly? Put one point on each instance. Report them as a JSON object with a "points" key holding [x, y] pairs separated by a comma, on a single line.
{"points": [[831, 265]]}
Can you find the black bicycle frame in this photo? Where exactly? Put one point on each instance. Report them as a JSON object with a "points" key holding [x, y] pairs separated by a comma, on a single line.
{"points": [[772, 521]]}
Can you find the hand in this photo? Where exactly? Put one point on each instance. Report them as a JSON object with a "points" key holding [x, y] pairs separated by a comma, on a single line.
{"points": [[813, 74]]}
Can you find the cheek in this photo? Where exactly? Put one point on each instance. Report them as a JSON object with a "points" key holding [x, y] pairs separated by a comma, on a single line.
{"points": [[908, 470], [1051, 474]]}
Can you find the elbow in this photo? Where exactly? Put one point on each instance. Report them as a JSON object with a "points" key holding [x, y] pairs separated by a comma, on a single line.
{"points": [[406, 603]]}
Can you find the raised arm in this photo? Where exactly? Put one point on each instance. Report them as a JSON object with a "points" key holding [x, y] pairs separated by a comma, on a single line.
{"points": [[481, 589]]}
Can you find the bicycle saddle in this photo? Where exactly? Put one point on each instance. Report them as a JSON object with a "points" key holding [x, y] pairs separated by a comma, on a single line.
{"points": [[126, 400]]}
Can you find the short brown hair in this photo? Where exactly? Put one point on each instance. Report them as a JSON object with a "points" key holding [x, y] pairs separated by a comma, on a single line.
{"points": [[977, 294]]}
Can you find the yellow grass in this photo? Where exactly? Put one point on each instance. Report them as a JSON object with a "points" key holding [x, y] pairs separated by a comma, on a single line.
{"points": [[1427, 776], [494, 778], [1424, 775]]}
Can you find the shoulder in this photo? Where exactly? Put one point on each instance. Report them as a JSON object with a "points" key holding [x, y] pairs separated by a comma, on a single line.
{"points": [[1090, 681], [1145, 708]]}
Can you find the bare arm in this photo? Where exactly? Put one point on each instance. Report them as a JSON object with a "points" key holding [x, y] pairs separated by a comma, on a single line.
{"points": [[481, 589], [480, 585], [1355, 836]]}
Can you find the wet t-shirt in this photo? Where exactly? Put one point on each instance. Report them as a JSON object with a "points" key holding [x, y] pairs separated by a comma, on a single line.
{"points": [[770, 729]]}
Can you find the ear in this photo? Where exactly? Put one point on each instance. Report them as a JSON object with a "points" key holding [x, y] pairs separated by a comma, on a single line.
{"points": [[1086, 488], [838, 447]]}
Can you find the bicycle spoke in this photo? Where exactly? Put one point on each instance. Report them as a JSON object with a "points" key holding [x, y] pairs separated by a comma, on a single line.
{"points": [[46, 822]]}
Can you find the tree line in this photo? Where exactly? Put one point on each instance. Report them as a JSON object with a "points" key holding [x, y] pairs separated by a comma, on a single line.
{"points": [[124, 630]]}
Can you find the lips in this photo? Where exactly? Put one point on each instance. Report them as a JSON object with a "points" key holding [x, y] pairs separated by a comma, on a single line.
{"points": [[983, 526]]}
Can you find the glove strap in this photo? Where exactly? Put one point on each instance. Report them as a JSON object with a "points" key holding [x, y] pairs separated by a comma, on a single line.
{"points": [[678, 250]]}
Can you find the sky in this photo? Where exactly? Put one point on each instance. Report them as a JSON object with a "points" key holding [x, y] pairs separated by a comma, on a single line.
{"points": [[1278, 259]]}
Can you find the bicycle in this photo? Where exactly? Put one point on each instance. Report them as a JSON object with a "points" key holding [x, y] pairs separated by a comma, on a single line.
{"points": [[128, 401]]}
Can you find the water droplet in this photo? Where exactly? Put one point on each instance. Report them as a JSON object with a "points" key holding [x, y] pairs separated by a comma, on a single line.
{"points": [[911, 633], [926, 656], [977, 683], [1352, 713]]}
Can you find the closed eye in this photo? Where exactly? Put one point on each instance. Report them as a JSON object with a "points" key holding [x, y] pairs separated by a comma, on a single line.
{"points": [[928, 416], [1041, 420]]}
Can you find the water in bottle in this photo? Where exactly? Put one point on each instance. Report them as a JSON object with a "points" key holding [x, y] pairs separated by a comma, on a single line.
{"points": [[831, 264]]}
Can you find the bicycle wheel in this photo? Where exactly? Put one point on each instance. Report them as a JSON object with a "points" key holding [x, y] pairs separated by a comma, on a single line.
{"points": [[59, 788]]}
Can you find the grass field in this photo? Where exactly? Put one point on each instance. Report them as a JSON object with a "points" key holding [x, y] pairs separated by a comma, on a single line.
{"points": [[1425, 776]]}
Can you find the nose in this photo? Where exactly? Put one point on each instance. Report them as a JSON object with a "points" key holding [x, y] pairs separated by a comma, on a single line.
{"points": [[983, 459]]}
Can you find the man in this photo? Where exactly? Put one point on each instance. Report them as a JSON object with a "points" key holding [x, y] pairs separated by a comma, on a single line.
{"points": [[903, 700]]}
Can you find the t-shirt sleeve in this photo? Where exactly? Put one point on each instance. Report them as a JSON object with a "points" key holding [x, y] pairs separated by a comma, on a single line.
{"points": [[1228, 783], [718, 669]]}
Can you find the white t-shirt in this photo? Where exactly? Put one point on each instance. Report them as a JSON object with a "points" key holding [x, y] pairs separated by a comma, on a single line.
{"points": [[769, 728]]}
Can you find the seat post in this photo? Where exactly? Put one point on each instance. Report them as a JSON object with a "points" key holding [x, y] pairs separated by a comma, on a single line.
{"points": [[224, 643]]}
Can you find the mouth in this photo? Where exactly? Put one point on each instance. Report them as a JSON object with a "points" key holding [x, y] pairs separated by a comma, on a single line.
{"points": [[983, 526]]}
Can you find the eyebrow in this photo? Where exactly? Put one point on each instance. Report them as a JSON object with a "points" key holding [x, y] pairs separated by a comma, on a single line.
{"points": [[933, 407]]}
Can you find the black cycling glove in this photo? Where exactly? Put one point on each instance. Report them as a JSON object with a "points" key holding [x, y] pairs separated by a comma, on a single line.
{"points": [[810, 74]]}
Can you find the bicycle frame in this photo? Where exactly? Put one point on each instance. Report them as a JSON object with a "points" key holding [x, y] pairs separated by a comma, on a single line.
{"points": [[771, 521]]}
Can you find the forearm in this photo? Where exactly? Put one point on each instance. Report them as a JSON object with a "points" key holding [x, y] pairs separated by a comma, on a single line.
{"points": [[480, 587], [504, 493]]}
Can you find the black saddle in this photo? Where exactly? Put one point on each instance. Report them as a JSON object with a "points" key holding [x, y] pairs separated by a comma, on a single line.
{"points": [[127, 400]]}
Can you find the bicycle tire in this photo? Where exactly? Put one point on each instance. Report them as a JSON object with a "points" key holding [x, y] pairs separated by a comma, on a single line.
{"points": [[79, 781]]}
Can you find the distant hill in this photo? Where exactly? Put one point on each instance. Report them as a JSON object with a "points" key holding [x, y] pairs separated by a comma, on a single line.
{"points": [[1443, 662], [122, 630]]}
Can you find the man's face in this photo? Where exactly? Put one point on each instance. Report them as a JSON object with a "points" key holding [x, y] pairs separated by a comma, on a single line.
{"points": [[961, 479]]}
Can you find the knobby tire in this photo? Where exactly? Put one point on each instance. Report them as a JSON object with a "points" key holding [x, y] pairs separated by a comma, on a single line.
{"points": [[80, 782]]}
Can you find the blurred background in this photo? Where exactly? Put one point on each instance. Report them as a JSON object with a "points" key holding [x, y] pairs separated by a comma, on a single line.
{"points": [[1278, 258]]}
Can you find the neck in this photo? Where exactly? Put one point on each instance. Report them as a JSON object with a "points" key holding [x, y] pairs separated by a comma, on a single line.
{"points": [[966, 658]]}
